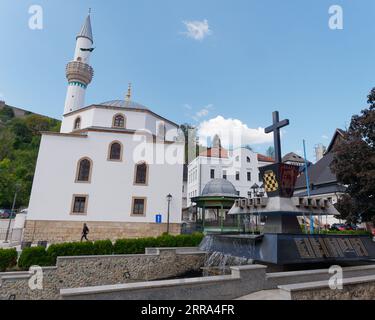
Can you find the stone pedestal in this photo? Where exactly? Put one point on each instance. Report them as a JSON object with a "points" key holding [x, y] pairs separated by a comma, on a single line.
{"points": [[282, 224]]}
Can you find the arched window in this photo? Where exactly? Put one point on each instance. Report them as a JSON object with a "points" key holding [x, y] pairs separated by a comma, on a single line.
{"points": [[119, 121], [141, 173], [84, 170], [115, 151], [248, 159], [77, 124]]}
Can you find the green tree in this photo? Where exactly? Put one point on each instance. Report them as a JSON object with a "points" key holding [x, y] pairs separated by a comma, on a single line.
{"points": [[7, 141], [354, 163], [6, 114], [7, 183], [20, 140]]}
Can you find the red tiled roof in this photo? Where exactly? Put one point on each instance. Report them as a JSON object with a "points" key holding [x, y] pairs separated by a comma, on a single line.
{"points": [[215, 153], [264, 158]]}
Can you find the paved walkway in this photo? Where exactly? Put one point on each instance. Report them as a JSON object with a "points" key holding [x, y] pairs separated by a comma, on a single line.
{"points": [[264, 295]]}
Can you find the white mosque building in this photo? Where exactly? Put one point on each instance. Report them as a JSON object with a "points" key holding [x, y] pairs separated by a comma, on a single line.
{"points": [[116, 166]]}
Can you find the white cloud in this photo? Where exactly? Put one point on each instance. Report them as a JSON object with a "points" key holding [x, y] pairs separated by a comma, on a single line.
{"points": [[197, 30], [325, 137], [204, 111], [187, 106], [232, 132]]}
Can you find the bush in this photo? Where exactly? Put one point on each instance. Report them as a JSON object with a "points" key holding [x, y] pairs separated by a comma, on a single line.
{"points": [[42, 257], [35, 256], [70, 250], [129, 246], [8, 259], [348, 232], [138, 246], [103, 247]]}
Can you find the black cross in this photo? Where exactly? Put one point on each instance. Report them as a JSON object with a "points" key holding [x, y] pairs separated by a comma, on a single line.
{"points": [[275, 128]]}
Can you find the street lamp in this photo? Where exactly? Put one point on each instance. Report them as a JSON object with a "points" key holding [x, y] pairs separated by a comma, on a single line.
{"points": [[255, 188], [261, 190], [169, 199], [18, 187]]}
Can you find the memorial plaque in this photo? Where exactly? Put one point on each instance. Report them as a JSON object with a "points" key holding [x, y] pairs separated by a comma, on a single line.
{"points": [[321, 248], [287, 249]]}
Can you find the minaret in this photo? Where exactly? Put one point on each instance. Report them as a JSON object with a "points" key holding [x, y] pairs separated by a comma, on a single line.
{"points": [[78, 72]]}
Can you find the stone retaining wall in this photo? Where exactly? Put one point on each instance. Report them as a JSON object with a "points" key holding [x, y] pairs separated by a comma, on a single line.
{"points": [[73, 272], [293, 277], [359, 288], [70, 231], [242, 281]]}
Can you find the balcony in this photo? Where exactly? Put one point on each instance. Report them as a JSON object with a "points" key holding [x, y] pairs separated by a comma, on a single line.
{"points": [[78, 71]]}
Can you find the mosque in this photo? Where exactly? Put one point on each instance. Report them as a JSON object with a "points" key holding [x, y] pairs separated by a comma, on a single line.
{"points": [[117, 166]]}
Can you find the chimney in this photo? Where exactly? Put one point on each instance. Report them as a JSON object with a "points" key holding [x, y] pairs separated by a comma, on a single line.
{"points": [[319, 152]]}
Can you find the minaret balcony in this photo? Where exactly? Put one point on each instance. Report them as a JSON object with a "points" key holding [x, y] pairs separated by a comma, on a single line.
{"points": [[79, 71]]}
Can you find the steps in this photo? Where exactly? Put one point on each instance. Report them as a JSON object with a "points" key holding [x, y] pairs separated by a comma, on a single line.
{"points": [[264, 295]]}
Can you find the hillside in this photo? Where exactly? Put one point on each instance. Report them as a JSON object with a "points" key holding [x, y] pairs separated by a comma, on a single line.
{"points": [[19, 145]]}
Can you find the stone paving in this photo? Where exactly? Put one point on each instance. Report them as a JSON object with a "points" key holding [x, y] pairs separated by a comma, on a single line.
{"points": [[264, 295]]}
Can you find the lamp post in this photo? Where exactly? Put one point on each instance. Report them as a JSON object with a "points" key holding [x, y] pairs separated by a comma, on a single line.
{"points": [[261, 191], [18, 187], [255, 188], [169, 199]]}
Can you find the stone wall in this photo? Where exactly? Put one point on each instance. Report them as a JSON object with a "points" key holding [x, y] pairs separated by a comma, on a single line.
{"points": [[242, 281], [68, 231], [359, 288], [295, 277], [73, 272]]}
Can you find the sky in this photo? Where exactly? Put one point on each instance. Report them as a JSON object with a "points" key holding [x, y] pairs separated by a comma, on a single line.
{"points": [[216, 64]]}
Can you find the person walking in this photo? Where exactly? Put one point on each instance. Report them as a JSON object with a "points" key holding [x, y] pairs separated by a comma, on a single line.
{"points": [[85, 232]]}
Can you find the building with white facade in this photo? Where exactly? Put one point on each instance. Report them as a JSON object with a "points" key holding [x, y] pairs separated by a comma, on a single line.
{"points": [[239, 166], [111, 166]]}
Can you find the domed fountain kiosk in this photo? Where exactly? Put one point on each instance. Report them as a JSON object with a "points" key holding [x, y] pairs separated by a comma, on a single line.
{"points": [[217, 198], [283, 241]]}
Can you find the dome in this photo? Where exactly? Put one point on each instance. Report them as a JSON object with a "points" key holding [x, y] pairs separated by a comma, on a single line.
{"points": [[219, 188], [123, 104]]}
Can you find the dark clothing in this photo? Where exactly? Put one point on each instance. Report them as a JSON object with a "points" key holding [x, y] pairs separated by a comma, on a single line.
{"points": [[85, 232]]}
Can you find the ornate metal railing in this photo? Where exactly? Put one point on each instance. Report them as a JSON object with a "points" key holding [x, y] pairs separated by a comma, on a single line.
{"points": [[79, 71]]}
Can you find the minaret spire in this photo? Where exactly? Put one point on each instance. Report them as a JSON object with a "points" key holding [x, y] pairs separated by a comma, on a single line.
{"points": [[86, 30], [79, 72]]}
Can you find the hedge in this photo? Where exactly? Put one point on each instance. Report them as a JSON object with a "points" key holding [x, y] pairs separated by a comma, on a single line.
{"points": [[71, 250], [347, 232], [138, 246], [103, 247], [42, 257], [8, 259], [35, 256]]}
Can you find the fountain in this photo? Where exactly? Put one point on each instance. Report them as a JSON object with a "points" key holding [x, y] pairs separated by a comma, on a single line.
{"points": [[283, 242]]}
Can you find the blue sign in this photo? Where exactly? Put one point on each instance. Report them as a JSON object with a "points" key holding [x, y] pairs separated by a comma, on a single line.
{"points": [[158, 218]]}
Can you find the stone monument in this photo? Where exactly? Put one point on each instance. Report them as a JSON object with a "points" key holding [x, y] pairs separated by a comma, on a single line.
{"points": [[283, 241]]}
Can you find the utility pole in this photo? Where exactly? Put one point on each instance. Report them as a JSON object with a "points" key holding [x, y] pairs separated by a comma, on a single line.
{"points": [[308, 186], [11, 213], [169, 199]]}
